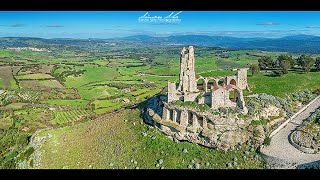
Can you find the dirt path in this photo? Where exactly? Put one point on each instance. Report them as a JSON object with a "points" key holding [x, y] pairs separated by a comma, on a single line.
{"points": [[280, 147]]}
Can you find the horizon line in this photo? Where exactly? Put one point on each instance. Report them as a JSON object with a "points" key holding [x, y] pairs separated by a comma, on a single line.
{"points": [[119, 37]]}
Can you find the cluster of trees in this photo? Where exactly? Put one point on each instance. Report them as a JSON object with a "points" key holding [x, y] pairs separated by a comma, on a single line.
{"points": [[284, 62]]}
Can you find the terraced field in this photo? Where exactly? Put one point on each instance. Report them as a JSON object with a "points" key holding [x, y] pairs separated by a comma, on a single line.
{"points": [[69, 117]]}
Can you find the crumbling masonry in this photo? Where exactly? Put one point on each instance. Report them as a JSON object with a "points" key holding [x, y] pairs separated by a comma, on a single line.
{"points": [[208, 126], [213, 91]]}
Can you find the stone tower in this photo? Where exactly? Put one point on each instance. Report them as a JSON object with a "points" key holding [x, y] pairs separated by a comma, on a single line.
{"points": [[187, 74], [242, 78]]}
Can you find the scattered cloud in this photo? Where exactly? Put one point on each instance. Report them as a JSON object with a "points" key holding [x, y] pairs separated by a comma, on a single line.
{"points": [[55, 26], [17, 25], [313, 27], [268, 24]]}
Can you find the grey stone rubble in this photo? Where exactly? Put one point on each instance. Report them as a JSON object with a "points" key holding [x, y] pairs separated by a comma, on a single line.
{"points": [[160, 161], [197, 166], [185, 150]]}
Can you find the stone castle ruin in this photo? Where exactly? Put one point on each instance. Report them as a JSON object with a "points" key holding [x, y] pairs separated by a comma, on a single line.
{"points": [[193, 111], [215, 91]]}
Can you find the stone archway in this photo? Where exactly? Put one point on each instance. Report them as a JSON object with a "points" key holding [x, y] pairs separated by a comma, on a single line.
{"points": [[233, 82], [221, 82], [201, 84], [234, 95], [211, 83]]}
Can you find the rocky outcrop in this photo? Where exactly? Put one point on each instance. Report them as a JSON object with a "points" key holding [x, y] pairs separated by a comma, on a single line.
{"points": [[258, 134], [270, 111], [215, 129]]}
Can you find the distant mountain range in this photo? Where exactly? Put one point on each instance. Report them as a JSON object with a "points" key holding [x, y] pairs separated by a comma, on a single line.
{"points": [[294, 43]]}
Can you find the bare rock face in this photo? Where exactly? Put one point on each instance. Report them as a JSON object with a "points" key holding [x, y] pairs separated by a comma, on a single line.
{"points": [[230, 139], [270, 111]]}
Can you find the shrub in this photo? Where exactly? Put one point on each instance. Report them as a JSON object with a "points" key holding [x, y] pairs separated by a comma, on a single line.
{"points": [[267, 141]]}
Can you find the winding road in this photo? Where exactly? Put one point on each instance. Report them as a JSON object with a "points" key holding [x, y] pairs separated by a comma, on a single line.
{"points": [[281, 149]]}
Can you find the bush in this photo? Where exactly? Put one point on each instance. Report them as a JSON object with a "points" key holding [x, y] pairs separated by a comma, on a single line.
{"points": [[191, 104], [267, 141]]}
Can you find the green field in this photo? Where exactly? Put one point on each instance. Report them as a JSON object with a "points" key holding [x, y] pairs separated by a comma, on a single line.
{"points": [[34, 76], [68, 117], [288, 83], [73, 103]]}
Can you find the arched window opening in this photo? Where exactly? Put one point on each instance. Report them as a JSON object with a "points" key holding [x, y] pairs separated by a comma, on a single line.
{"points": [[211, 84], [233, 82], [234, 95], [221, 82], [200, 84]]}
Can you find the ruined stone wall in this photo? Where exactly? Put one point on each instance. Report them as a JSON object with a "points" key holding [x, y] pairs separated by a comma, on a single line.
{"points": [[220, 98], [190, 96], [205, 128], [173, 93]]}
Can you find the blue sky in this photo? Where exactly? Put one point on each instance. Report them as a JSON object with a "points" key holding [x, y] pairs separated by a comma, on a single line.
{"points": [[108, 24]]}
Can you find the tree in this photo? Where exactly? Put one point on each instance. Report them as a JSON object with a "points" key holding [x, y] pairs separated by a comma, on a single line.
{"points": [[265, 62], [285, 62], [255, 69], [306, 62], [318, 62]]}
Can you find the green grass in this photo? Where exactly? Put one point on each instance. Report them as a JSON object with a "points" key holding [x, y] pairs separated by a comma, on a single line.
{"points": [[164, 70], [5, 122], [139, 91], [219, 73], [40, 83], [205, 64], [6, 78], [149, 94], [34, 76], [37, 118], [74, 103], [105, 103], [282, 85], [15, 106], [89, 92], [51, 83], [1, 84], [227, 63], [92, 74], [111, 108], [104, 145], [13, 84]]}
